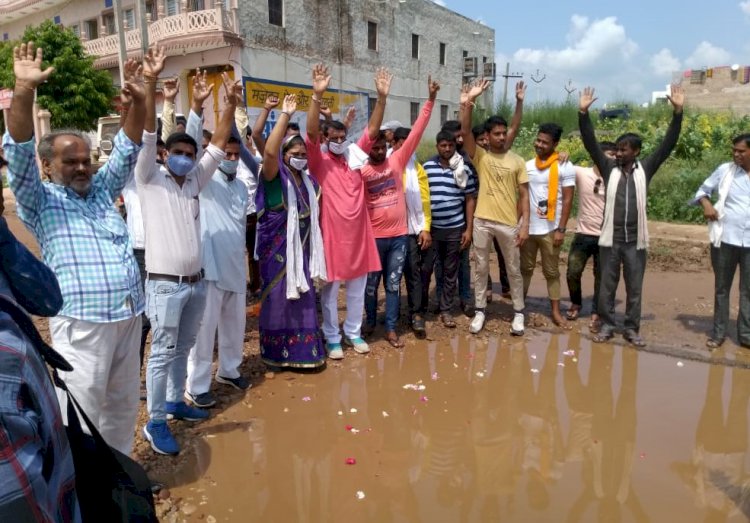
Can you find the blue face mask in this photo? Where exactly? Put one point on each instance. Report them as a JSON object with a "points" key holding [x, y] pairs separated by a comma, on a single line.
{"points": [[229, 167], [179, 164]]}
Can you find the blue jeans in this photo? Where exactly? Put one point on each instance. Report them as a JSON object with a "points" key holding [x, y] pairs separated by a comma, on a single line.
{"points": [[392, 258], [175, 311]]}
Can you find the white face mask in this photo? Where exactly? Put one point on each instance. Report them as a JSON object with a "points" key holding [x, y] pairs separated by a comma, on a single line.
{"points": [[298, 163], [338, 148]]}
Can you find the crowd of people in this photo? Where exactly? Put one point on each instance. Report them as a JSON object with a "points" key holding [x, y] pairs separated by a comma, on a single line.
{"points": [[314, 212]]}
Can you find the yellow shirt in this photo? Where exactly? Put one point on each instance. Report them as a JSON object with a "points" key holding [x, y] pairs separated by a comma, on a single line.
{"points": [[499, 178], [424, 193]]}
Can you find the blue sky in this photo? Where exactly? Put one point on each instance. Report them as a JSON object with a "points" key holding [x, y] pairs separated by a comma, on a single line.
{"points": [[624, 49]]}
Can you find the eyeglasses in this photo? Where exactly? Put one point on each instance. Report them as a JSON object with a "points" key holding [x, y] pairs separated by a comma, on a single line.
{"points": [[597, 185]]}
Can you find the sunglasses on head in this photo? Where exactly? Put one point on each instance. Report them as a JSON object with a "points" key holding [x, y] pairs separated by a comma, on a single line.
{"points": [[597, 185]]}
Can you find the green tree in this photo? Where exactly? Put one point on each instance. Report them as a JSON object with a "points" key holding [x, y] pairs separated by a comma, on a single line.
{"points": [[76, 93]]}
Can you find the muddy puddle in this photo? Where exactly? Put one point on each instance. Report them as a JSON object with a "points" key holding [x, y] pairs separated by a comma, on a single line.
{"points": [[546, 428]]}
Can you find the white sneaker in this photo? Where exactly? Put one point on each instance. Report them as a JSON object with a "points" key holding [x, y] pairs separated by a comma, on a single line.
{"points": [[477, 323], [516, 328]]}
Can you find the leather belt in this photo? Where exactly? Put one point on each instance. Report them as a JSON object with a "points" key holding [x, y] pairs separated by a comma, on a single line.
{"points": [[195, 278]]}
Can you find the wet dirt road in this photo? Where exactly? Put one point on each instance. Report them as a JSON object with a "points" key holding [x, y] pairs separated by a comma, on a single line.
{"points": [[546, 428]]}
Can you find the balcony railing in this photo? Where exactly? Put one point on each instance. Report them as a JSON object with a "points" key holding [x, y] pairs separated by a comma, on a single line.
{"points": [[174, 31]]}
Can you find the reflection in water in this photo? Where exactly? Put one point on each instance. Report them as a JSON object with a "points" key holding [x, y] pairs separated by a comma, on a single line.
{"points": [[717, 469], [538, 429]]}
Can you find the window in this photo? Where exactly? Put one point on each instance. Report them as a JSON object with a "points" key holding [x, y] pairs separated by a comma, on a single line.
{"points": [[5, 37], [197, 5], [371, 105], [414, 110], [108, 21], [128, 18], [173, 7], [443, 114], [151, 9], [76, 30], [56, 20], [442, 53], [415, 46], [465, 54], [276, 12], [372, 36], [92, 29]]}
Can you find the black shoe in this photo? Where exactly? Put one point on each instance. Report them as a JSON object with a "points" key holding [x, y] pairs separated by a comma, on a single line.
{"points": [[239, 383], [467, 308], [367, 329], [418, 326], [203, 401]]}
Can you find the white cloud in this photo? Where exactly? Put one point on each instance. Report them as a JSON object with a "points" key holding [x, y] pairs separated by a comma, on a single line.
{"points": [[708, 55], [664, 63], [590, 43], [439, 2], [745, 7]]}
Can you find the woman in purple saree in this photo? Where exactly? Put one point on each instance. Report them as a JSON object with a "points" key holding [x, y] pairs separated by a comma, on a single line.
{"points": [[290, 251]]}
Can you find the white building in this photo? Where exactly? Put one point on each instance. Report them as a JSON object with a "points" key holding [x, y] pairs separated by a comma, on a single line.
{"points": [[279, 40]]}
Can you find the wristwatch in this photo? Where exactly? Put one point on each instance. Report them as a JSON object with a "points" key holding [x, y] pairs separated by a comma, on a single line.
{"points": [[561, 229]]}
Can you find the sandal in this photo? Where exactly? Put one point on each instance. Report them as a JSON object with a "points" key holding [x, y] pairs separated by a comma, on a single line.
{"points": [[562, 324], [595, 326], [712, 343], [448, 321], [603, 337], [392, 338], [634, 338], [573, 312]]}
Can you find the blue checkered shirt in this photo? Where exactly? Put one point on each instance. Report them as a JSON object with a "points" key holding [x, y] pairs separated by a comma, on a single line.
{"points": [[84, 240]]}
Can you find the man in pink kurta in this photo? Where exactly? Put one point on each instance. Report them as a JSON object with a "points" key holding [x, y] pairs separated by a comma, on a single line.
{"points": [[348, 239]]}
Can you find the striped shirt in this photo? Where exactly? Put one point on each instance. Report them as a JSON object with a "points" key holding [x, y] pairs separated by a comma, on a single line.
{"points": [[84, 240], [446, 198]]}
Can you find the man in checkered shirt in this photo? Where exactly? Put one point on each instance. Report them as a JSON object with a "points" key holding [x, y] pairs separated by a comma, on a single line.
{"points": [[85, 241]]}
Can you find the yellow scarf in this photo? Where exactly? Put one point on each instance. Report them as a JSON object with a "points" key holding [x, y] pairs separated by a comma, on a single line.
{"points": [[550, 164]]}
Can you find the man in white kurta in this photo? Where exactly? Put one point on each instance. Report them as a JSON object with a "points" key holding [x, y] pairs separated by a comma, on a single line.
{"points": [[223, 222]]}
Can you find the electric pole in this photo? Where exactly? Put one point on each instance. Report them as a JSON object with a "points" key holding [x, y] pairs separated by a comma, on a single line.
{"points": [[507, 75]]}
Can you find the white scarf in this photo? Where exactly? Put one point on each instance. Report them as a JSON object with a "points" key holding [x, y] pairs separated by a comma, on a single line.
{"points": [[639, 177], [459, 173], [716, 227], [296, 282], [413, 196]]}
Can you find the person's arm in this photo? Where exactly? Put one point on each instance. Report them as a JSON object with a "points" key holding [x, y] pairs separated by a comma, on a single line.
{"points": [[588, 137], [208, 164], [240, 118], [33, 284], [321, 78], [567, 193], [707, 188], [351, 114], [469, 93], [18, 144], [383, 81], [246, 156], [466, 236], [662, 152], [273, 145], [515, 122], [272, 101], [401, 157], [523, 204], [146, 161], [424, 193], [168, 122]]}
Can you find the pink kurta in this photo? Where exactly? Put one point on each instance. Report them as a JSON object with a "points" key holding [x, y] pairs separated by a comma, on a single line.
{"points": [[348, 240]]}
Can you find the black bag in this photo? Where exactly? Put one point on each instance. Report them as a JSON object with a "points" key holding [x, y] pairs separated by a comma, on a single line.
{"points": [[110, 486]]}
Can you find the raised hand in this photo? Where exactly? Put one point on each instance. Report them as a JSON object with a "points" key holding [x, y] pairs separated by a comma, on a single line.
{"points": [[290, 104], [27, 66], [272, 102], [153, 61], [677, 97], [520, 91], [326, 112], [134, 88], [383, 81], [132, 71], [464, 93], [477, 87], [321, 78], [586, 99], [233, 89], [171, 88], [201, 88], [432, 87], [351, 113]]}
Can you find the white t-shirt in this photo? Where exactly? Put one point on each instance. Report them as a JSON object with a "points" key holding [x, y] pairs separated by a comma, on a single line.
{"points": [[539, 192]]}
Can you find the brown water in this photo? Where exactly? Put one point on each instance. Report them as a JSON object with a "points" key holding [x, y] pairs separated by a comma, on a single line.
{"points": [[546, 428]]}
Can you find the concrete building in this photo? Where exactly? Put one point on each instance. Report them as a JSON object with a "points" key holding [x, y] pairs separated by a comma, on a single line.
{"points": [[723, 88], [278, 41]]}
